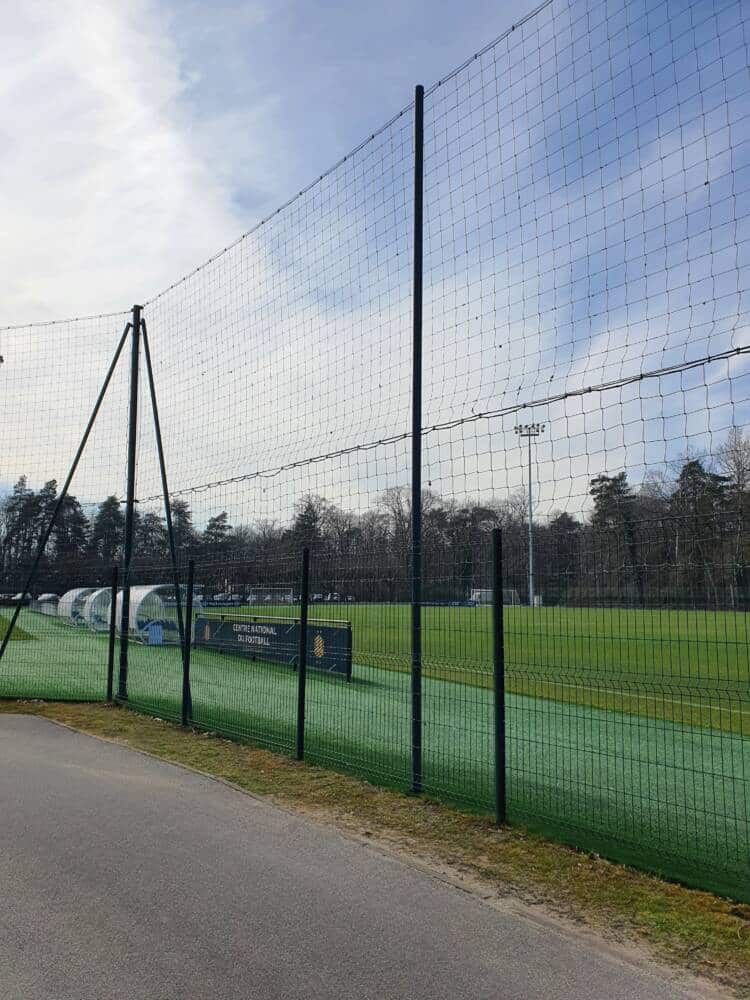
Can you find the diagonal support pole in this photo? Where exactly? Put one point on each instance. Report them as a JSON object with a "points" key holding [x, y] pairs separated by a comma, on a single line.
{"points": [[187, 705], [64, 492], [164, 484], [135, 342]]}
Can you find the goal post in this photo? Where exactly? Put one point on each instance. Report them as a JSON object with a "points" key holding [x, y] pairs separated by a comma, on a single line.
{"points": [[484, 596], [270, 595]]}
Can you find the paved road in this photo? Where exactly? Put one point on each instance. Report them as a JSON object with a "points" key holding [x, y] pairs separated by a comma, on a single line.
{"points": [[123, 877]]}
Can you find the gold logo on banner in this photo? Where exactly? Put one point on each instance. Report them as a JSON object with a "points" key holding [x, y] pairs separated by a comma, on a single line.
{"points": [[319, 648]]}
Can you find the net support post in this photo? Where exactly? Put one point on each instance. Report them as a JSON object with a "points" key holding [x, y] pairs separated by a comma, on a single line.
{"points": [[187, 642], [304, 592], [163, 475], [416, 449], [498, 675], [135, 334], [112, 635]]}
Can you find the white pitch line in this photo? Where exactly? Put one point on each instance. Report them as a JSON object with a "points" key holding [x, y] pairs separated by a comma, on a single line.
{"points": [[651, 697]]}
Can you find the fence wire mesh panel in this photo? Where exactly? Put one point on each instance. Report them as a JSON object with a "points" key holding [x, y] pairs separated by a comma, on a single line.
{"points": [[586, 309], [59, 646], [586, 282], [357, 718], [457, 657], [243, 673], [151, 679]]}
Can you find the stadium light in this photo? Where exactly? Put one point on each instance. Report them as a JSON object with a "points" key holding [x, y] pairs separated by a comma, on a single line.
{"points": [[530, 432]]}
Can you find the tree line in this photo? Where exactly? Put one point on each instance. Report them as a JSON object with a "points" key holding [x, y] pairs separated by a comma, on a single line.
{"points": [[672, 540]]}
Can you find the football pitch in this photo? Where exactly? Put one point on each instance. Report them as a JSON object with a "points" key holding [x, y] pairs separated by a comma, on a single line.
{"points": [[628, 732]]}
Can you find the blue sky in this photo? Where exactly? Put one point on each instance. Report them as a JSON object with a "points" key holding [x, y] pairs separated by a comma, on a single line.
{"points": [[586, 195], [315, 75], [140, 137]]}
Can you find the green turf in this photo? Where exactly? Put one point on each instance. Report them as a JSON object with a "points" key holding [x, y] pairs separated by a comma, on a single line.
{"points": [[644, 777], [682, 666], [18, 633], [667, 644]]}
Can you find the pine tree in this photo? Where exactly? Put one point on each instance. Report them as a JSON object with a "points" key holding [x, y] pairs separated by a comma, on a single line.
{"points": [[307, 528], [69, 542], [151, 541], [698, 505], [185, 538], [107, 534], [216, 537], [614, 518]]}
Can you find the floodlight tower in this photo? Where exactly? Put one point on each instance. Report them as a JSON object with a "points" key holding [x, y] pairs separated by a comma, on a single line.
{"points": [[530, 432]]}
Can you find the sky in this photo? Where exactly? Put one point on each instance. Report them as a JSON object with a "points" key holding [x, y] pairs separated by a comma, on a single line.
{"points": [[586, 182], [138, 138]]}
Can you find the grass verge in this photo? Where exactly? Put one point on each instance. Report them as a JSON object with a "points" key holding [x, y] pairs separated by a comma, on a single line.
{"points": [[693, 930]]}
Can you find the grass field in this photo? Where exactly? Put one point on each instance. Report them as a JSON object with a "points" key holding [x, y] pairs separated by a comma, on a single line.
{"points": [[627, 731], [710, 644], [18, 632], [684, 666]]}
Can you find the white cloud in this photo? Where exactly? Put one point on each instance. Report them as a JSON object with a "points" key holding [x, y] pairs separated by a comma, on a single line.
{"points": [[105, 196], [296, 342]]}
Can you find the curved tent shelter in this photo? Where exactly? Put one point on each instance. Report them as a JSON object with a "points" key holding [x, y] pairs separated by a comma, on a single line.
{"points": [[71, 605], [47, 604], [153, 614], [95, 611]]}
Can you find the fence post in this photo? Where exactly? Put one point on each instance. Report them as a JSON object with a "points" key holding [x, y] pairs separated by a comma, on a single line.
{"points": [[498, 673], [122, 684], [416, 451], [112, 633], [187, 641], [302, 654]]}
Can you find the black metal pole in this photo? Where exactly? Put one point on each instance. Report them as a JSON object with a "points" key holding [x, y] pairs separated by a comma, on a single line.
{"points": [[122, 685], [164, 484], [304, 589], [112, 634], [187, 642], [416, 452], [498, 673], [64, 491]]}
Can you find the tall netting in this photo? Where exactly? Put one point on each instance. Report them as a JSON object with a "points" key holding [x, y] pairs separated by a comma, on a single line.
{"points": [[285, 353], [586, 255], [50, 377], [282, 369], [585, 389]]}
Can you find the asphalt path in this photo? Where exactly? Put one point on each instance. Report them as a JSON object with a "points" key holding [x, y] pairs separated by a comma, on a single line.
{"points": [[125, 877]]}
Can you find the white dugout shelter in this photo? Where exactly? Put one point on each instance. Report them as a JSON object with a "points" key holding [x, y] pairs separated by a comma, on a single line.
{"points": [[47, 604], [71, 605], [152, 608], [96, 609]]}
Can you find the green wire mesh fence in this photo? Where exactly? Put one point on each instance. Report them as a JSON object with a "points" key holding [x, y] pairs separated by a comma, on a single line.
{"points": [[584, 387]]}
